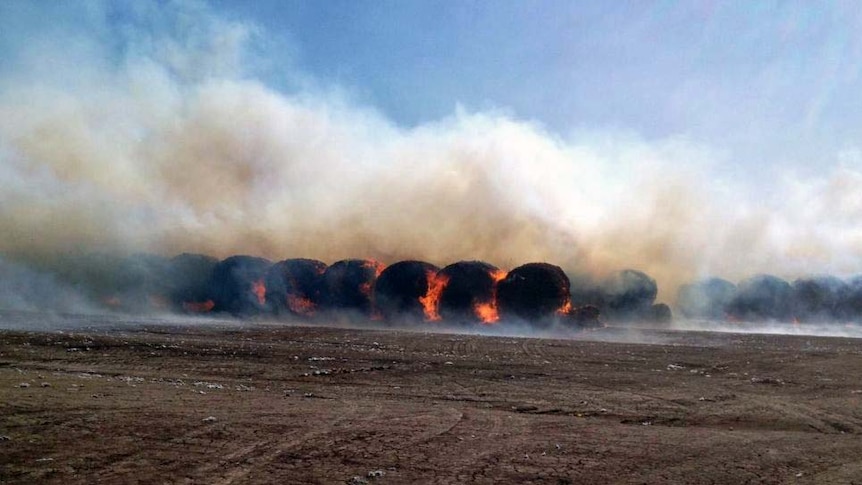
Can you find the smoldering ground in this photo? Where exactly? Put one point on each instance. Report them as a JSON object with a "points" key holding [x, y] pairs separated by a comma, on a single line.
{"points": [[166, 135]]}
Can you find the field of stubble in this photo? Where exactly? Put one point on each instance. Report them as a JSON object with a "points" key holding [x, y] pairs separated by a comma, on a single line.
{"points": [[214, 402]]}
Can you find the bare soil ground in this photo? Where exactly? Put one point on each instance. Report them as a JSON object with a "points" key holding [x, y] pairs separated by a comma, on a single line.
{"points": [[261, 403]]}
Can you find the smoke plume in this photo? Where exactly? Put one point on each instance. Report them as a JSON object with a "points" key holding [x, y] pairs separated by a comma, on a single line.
{"points": [[162, 134]]}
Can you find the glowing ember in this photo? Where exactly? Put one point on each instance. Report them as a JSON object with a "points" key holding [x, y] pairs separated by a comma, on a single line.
{"points": [[566, 308], [431, 300], [300, 305], [376, 265], [198, 306], [112, 301], [259, 289]]}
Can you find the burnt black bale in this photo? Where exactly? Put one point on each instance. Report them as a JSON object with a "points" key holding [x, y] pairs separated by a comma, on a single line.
{"points": [[706, 299], [399, 288], [347, 286], [659, 313], [293, 286], [141, 282], [850, 306], [190, 277], [469, 283], [534, 292], [818, 299], [237, 285], [628, 295], [762, 297]]}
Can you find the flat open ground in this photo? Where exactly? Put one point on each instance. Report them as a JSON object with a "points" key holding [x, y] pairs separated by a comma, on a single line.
{"points": [[263, 403]]}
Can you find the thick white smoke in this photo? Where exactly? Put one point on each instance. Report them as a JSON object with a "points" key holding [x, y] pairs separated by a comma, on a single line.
{"points": [[164, 140]]}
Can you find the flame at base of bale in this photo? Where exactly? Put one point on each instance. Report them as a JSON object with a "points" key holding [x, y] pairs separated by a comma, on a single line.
{"points": [[400, 289]]}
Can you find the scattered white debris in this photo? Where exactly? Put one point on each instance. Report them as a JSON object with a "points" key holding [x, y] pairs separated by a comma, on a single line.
{"points": [[448, 362], [242, 387], [675, 367], [376, 473], [318, 359], [44, 459], [46, 384], [210, 419], [24, 385], [357, 480], [4, 438]]}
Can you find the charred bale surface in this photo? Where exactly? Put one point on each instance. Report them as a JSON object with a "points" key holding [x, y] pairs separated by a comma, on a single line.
{"points": [[293, 286], [237, 285], [628, 294], [534, 292], [348, 284], [190, 277], [140, 283], [818, 299], [851, 302], [400, 288], [469, 284], [762, 297], [706, 299]]}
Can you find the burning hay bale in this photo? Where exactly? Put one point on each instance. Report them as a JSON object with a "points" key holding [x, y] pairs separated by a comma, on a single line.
{"points": [[237, 285], [409, 289], [584, 316], [628, 295], [348, 285], [293, 286], [818, 298], [535, 292], [707, 299], [189, 282], [762, 297], [469, 295]]}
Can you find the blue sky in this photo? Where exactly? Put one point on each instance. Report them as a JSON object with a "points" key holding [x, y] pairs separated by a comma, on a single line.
{"points": [[770, 82]]}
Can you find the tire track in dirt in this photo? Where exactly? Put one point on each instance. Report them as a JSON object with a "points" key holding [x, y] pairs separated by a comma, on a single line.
{"points": [[258, 454]]}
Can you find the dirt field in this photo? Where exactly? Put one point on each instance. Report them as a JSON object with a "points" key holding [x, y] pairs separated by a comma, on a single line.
{"points": [[224, 403]]}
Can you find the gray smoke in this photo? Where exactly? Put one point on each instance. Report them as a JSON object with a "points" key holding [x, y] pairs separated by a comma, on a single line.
{"points": [[158, 136]]}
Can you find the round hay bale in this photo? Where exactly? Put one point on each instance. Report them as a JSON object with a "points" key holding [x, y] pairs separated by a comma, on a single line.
{"points": [[628, 295], [348, 284], [238, 286], [190, 278], [534, 292], [293, 286], [405, 290], [818, 299], [706, 299], [469, 296], [762, 297], [850, 305]]}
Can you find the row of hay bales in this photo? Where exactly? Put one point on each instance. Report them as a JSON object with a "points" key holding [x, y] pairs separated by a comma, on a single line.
{"points": [[465, 292], [770, 298]]}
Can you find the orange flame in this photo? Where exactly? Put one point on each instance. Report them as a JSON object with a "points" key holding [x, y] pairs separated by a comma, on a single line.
{"points": [[365, 288], [487, 312], [259, 290], [300, 305], [566, 308], [198, 306], [431, 300]]}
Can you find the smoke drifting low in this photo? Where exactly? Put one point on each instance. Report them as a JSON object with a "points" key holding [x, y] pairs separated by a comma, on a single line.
{"points": [[158, 136]]}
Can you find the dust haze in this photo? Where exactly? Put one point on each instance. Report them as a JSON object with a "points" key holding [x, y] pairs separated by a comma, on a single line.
{"points": [[164, 137]]}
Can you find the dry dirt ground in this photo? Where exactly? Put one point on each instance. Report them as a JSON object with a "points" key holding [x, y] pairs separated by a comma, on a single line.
{"points": [[264, 403]]}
